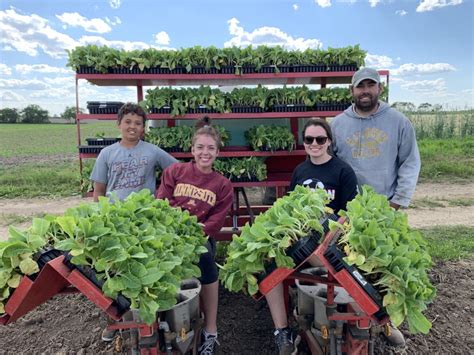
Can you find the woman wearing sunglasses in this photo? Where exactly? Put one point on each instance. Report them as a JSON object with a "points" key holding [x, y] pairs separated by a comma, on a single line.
{"points": [[321, 170]]}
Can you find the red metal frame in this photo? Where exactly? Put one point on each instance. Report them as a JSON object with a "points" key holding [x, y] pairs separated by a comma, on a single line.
{"points": [[324, 78], [335, 278], [359, 314], [54, 278], [279, 164]]}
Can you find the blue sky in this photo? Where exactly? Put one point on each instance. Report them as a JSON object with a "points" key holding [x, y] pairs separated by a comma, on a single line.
{"points": [[426, 44]]}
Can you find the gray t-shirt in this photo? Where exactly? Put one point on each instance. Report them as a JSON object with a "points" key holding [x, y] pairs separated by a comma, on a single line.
{"points": [[127, 170]]}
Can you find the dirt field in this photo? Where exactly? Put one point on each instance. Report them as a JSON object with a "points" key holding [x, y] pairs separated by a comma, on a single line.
{"points": [[72, 324], [418, 217]]}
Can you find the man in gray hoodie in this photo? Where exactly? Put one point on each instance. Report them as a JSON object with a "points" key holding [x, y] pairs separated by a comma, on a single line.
{"points": [[377, 141]]}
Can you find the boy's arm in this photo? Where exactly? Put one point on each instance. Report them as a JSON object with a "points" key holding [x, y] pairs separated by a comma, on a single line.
{"points": [[99, 190], [164, 159]]}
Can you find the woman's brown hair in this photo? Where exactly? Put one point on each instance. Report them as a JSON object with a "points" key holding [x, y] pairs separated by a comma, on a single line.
{"points": [[203, 127]]}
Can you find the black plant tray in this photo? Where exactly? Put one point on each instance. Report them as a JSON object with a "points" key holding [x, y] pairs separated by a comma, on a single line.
{"points": [[246, 109], [243, 179], [201, 110], [90, 149], [203, 70], [44, 256], [332, 107], [121, 302], [164, 109], [227, 69], [342, 67], [269, 268], [290, 108], [308, 68], [335, 257], [88, 70], [177, 70], [134, 70], [303, 248], [101, 141], [172, 149], [103, 107]]}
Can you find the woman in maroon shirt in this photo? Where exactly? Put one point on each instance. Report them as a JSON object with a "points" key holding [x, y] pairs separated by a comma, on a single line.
{"points": [[196, 187]]}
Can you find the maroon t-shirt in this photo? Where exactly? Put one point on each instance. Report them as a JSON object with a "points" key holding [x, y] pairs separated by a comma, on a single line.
{"points": [[207, 196]]}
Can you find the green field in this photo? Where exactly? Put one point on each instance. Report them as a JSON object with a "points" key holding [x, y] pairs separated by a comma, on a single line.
{"points": [[47, 139], [444, 159]]}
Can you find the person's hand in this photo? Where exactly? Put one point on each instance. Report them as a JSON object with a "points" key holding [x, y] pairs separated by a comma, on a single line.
{"points": [[394, 205]]}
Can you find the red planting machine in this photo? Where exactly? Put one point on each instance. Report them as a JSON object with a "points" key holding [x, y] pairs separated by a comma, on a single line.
{"points": [[176, 331], [336, 310]]}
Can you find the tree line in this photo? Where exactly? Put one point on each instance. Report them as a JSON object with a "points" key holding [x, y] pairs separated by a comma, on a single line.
{"points": [[33, 114]]}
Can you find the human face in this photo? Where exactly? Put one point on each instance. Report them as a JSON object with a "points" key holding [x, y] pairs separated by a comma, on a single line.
{"points": [[204, 151], [366, 95], [318, 153], [131, 127]]}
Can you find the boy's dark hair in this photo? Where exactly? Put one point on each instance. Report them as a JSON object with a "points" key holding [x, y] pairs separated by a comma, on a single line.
{"points": [[203, 126], [130, 107], [318, 122]]}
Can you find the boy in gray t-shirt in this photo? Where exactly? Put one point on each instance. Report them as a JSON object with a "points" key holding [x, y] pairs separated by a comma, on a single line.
{"points": [[129, 165]]}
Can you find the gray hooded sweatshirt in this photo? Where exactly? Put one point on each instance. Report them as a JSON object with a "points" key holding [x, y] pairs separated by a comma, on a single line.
{"points": [[381, 149]]}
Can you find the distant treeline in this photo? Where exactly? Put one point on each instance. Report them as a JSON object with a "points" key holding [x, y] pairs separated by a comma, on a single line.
{"points": [[33, 114]]}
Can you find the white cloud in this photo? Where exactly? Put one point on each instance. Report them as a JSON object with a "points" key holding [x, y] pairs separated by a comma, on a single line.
{"points": [[10, 96], [270, 36], [430, 5], [378, 61], [424, 86], [323, 3], [114, 4], [74, 19], [295, 7], [64, 81], [401, 12], [116, 21], [41, 68], [54, 93], [373, 3], [5, 69], [419, 69], [162, 38], [31, 84], [29, 33]]}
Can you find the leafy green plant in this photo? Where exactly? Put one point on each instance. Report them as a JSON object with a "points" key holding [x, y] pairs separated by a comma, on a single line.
{"points": [[378, 240], [141, 247], [290, 218], [16, 256], [242, 168], [270, 138], [179, 137], [104, 59], [86, 182]]}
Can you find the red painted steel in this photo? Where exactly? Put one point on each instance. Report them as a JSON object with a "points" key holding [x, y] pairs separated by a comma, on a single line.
{"points": [[54, 278]]}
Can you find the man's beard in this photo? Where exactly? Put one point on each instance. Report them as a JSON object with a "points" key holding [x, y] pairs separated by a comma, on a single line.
{"points": [[367, 106]]}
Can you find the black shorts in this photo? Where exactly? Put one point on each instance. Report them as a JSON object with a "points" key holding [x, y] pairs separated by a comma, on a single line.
{"points": [[209, 272]]}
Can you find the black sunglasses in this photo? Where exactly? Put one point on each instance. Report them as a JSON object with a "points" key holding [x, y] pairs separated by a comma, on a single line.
{"points": [[319, 140]]}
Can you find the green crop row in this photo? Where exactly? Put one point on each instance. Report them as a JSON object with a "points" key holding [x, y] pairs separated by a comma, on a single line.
{"points": [[104, 59]]}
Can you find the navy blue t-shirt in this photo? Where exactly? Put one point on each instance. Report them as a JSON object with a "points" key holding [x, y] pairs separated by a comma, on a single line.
{"points": [[334, 176]]}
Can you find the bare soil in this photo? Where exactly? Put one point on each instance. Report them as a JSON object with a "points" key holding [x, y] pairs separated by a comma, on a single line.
{"points": [[72, 324]]}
